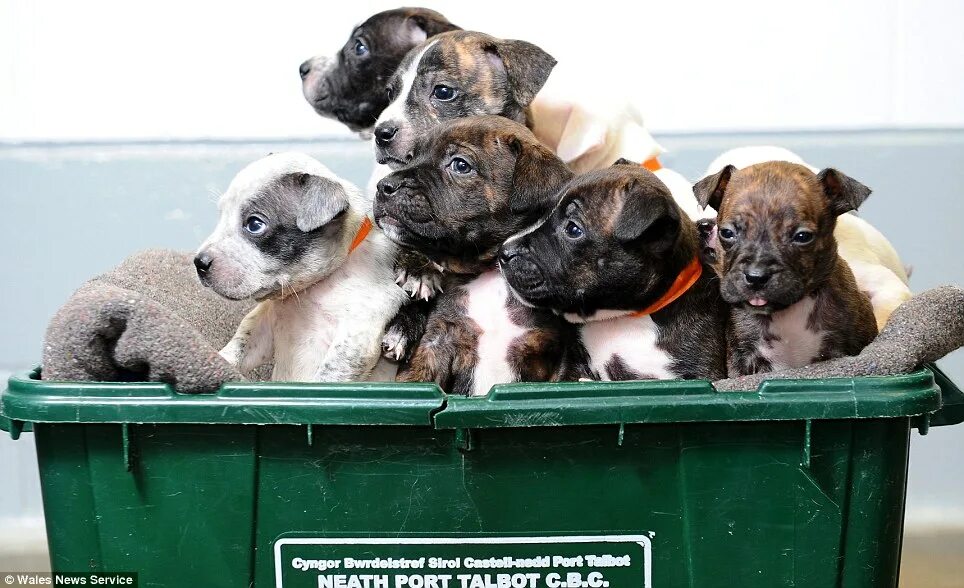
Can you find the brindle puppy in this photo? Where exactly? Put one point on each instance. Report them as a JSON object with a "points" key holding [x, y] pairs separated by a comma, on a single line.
{"points": [[793, 299], [619, 256], [350, 85], [454, 75], [470, 185]]}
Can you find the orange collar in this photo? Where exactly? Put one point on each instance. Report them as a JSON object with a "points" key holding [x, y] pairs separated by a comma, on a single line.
{"points": [[652, 164], [363, 230], [683, 282]]}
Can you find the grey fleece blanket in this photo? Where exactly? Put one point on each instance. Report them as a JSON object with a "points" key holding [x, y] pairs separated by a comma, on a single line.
{"points": [[149, 319]]}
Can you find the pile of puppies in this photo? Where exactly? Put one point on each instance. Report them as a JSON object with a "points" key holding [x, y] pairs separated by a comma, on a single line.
{"points": [[519, 230]]}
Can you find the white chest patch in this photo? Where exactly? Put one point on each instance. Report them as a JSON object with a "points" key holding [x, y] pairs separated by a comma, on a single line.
{"points": [[486, 305], [303, 333], [633, 340], [353, 303], [794, 345]]}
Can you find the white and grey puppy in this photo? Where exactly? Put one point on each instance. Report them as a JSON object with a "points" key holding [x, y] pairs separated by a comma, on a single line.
{"points": [[294, 236]]}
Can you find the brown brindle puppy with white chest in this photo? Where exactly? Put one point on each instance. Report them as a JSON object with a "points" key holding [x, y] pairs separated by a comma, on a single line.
{"points": [[793, 300], [472, 183]]}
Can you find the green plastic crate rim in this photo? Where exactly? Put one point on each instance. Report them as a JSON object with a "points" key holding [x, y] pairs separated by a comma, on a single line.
{"points": [[926, 393]]}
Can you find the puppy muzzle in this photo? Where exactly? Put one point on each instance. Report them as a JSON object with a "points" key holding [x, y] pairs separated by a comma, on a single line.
{"points": [[405, 222], [761, 290], [400, 198], [393, 144], [523, 275], [331, 98], [315, 84]]}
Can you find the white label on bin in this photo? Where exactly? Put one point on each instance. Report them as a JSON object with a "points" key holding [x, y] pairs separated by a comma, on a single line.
{"points": [[605, 561]]}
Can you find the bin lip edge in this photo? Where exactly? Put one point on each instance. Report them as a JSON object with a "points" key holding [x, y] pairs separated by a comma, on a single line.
{"points": [[32, 400], [916, 388]]}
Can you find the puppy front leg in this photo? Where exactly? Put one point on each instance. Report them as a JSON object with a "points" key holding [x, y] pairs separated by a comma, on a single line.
{"points": [[743, 353], [253, 343], [405, 330], [428, 364], [446, 355], [351, 357]]}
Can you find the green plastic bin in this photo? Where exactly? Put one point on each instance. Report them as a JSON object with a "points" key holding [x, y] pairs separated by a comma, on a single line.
{"points": [[616, 485]]}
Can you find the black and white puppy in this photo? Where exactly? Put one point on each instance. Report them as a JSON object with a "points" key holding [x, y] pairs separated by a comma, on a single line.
{"points": [[469, 185], [349, 86], [618, 256], [296, 237]]}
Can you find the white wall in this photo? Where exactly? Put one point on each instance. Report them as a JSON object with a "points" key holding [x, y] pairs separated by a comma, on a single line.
{"points": [[102, 69]]}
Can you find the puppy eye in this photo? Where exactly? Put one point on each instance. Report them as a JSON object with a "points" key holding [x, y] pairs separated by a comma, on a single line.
{"points": [[727, 234], [802, 237], [460, 166], [255, 225], [389, 93], [360, 48], [573, 231], [443, 93]]}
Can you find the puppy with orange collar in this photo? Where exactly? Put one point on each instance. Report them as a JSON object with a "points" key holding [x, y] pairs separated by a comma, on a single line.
{"points": [[296, 237], [618, 256]]}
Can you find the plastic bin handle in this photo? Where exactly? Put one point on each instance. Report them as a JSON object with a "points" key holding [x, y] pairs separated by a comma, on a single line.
{"points": [[952, 400]]}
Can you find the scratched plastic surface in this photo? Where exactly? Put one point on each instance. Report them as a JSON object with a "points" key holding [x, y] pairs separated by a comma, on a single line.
{"points": [[795, 484]]}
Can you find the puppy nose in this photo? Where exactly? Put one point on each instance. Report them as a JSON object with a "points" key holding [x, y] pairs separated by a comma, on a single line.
{"points": [[384, 134], [202, 263], [387, 186], [756, 277], [705, 226], [505, 255], [304, 69]]}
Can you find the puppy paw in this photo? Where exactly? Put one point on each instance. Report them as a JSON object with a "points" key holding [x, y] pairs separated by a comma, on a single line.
{"points": [[394, 344], [422, 286]]}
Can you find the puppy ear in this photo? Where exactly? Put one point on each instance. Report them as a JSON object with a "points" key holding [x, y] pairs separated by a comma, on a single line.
{"points": [[843, 192], [526, 65], [322, 200], [425, 23], [538, 177], [709, 191], [646, 220]]}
